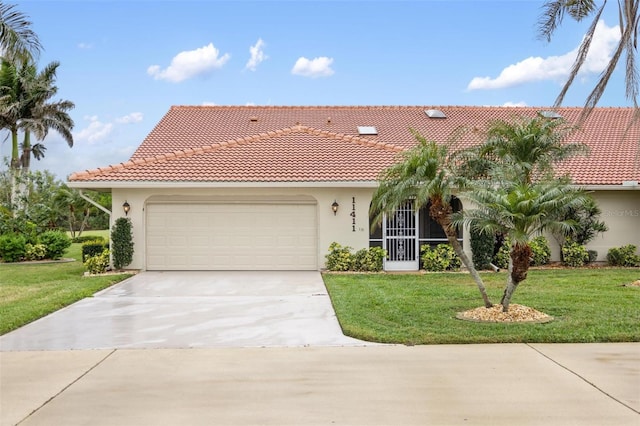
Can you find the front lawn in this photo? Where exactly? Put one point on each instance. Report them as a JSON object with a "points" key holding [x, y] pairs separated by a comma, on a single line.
{"points": [[31, 291], [589, 305]]}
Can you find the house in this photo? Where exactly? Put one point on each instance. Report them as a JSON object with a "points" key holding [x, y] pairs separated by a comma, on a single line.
{"points": [[257, 188]]}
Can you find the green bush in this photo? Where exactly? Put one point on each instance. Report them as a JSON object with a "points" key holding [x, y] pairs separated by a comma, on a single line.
{"points": [[574, 254], [501, 259], [339, 258], [35, 251], [541, 252], [369, 260], [441, 258], [93, 247], [56, 242], [482, 246], [623, 256], [97, 264], [12, 247], [593, 255], [85, 238], [122, 242]]}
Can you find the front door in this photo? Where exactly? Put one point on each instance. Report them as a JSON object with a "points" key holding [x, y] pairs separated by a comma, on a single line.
{"points": [[401, 239]]}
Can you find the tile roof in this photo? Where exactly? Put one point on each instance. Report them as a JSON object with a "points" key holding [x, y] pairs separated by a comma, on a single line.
{"points": [[318, 143]]}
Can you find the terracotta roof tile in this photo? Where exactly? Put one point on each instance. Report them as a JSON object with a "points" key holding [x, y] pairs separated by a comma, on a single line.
{"points": [[318, 143]]}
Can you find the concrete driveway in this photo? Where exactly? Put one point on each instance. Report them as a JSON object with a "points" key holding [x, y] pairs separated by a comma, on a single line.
{"points": [[195, 309]]}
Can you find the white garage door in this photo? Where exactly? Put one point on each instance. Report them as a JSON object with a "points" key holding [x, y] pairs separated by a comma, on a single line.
{"points": [[231, 237]]}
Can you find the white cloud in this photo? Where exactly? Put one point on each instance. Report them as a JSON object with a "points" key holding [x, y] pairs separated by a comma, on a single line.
{"points": [[317, 67], [189, 64], [85, 45], [94, 132], [257, 55], [515, 104], [555, 68], [250, 104], [134, 117], [207, 103]]}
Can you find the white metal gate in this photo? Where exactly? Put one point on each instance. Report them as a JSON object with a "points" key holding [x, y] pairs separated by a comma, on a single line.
{"points": [[400, 233]]}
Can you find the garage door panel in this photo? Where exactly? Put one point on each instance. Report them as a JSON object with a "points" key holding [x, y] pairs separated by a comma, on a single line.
{"points": [[231, 236]]}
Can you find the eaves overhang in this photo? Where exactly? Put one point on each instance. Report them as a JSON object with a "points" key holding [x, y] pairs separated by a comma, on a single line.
{"points": [[97, 185]]}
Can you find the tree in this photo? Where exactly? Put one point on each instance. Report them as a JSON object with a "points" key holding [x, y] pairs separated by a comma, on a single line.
{"points": [[553, 14], [525, 148], [423, 174], [25, 104], [17, 39], [520, 211]]}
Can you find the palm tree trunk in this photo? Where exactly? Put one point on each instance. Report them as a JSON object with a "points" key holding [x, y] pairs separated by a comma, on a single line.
{"points": [[509, 289], [519, 259], [26, 152], [441, 213], [457, 247]]}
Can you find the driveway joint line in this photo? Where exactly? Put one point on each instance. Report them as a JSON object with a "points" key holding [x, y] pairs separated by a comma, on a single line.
{"points": [[584, 379], [67, 386]]}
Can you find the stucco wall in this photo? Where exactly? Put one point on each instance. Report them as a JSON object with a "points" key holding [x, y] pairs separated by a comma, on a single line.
{"points": [[331, 228], [621, 213]]}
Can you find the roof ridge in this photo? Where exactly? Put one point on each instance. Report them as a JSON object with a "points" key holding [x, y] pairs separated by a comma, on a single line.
{"points": [[189, 152]]}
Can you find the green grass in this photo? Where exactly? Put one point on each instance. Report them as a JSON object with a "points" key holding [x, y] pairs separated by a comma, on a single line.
{"points": [[589, 305], [31, 291]]}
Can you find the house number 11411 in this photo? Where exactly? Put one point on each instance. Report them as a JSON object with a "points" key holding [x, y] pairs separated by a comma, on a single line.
{"points": [[353, 213]]}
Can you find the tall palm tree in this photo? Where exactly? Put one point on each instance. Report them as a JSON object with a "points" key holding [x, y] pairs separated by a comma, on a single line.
{"points": [[519, 210], [17, 39], [422, 174], [553, 13], [25, 104]]}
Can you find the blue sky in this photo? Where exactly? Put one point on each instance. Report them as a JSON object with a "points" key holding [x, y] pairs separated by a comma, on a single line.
{"points": [[124, 64]]}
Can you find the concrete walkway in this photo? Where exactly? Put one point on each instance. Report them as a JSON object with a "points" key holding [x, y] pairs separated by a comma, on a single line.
{"points": [[516, 384]]}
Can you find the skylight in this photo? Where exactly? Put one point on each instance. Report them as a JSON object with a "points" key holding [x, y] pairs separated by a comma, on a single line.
{"points": [[367, 130], [435, 113], [549, 114]]}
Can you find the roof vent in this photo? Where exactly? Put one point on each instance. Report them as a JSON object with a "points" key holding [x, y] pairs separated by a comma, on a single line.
{"points": [[435, 113], [367, 130], [549, 114], [253, 118]]}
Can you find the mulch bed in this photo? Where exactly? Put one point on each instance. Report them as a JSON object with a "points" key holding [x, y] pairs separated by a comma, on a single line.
{"points": [[516, 314]]}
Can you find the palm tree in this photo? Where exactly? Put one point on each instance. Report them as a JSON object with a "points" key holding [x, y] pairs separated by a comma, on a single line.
{"points": [[423, 175], [526, 147], [17, 39], [551, 18], [520, 211], [25, 104]]}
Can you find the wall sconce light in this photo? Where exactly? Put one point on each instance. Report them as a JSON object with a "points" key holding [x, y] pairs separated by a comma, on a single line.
{"points": [[126, 207], [334, 207]]}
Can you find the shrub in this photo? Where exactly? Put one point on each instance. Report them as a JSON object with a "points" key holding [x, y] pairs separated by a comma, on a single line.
{"points": [[12, 247], [593, 255], [35, 251], [541, 252], [440, 258], [93, 247], [574, 254], [623, 256], [122, 242], [482, 246], [97, 264], [339, 258], [369, 260], [501, 259], [85, 238], [56, 242]]}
